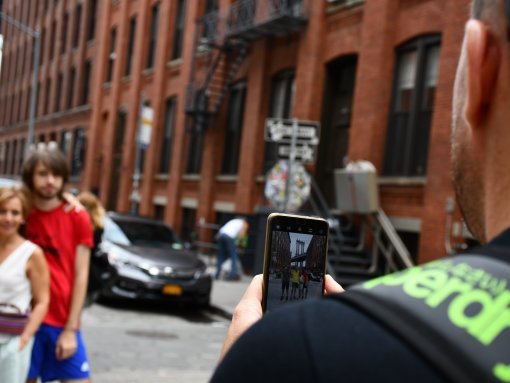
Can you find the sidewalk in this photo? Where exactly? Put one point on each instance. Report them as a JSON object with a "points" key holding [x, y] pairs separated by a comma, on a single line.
{"points": [[225, 295]]}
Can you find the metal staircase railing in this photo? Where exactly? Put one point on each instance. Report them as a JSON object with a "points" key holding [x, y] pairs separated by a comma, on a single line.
{"points": [[373, 248], [320, 208]]}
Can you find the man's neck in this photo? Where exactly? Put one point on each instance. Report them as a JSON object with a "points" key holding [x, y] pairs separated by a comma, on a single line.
{"points": [[46, 204]]}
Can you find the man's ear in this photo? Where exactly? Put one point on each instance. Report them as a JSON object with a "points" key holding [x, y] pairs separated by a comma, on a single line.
{"points": [[483, 58]]}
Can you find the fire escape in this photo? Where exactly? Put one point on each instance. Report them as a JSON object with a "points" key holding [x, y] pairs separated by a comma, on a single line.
{"points": [[222, 41]]}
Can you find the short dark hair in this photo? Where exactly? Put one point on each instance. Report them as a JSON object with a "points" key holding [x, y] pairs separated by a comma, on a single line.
{"points": [[489, 10], [52, 158]]}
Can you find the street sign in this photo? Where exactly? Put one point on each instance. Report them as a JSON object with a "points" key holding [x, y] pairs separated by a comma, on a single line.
{"points": [[285, 195], [281, 130], [144, 134], [303, 152]]}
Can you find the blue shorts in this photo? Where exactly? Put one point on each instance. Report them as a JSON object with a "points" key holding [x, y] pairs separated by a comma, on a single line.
{"points": [[44, 363]]}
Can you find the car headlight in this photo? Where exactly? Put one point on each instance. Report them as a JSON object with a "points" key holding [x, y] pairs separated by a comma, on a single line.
{"points": [[201, 271], [120, 258]]}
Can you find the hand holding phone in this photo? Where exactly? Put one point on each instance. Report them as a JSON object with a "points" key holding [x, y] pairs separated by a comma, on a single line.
{"points": [[294, 259]]}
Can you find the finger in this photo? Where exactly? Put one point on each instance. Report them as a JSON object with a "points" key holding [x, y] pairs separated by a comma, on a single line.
{"points": [[254, 290], [247, 312], [331, 286], [58, 352]]}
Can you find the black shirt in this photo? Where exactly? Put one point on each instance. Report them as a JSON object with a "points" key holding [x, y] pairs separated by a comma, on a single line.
{"points": [[328, 340]]}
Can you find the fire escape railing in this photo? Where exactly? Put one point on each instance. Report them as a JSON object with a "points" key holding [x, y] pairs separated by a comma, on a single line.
{"points": [[222, 40]]}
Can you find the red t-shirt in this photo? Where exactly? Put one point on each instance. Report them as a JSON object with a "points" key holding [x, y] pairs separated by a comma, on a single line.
{"points": [[59, 233]]}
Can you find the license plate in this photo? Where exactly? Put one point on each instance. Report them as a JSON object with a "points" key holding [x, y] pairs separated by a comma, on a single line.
{"points": [[172, 290]]}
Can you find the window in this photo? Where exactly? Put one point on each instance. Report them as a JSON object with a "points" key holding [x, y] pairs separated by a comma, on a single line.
{"points": [[282, 99], [179, 29], [43, 38], [12, 160], [131, 46], [52, 39], [151, 52], [77, 26], [58, 92], [21, 156], [63, 34], [65, 137], [38, 97], [159, 212], [235, 118], [7, 156], [70, 88], [188, 227], [196, 139], [78, 154], [47, 96], [168, 132], [210, 22], [111, 56], [87, 70], [411, 109], [91, 27]]}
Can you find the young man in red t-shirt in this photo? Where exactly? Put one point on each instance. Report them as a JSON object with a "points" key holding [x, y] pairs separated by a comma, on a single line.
{"points": [[66, 238]]}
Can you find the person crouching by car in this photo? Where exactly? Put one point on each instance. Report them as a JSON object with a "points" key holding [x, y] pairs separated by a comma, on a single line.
{"points": [[227, 235]]}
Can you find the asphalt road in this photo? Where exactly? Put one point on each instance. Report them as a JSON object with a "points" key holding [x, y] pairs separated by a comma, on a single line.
{"points": [[150, 343]]}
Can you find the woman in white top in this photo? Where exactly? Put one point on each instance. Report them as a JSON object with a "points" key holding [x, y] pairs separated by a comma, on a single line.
{"points": [[24, 285]]}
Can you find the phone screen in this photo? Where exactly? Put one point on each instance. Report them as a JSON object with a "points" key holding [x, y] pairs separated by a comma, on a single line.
{"points": [[295, 259]]}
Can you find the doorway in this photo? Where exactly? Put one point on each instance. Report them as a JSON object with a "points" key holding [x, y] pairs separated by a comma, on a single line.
{"points": [[335, 122]]}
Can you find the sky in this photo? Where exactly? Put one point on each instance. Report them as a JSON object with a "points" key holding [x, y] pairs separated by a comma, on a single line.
{"points": [[306, 238]]}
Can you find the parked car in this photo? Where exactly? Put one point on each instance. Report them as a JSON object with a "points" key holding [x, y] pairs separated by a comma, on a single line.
{"points": [[8, 182], [147, 261]]}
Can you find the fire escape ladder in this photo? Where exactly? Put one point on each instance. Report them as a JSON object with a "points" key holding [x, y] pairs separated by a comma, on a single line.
{"points": [[225, 74]]}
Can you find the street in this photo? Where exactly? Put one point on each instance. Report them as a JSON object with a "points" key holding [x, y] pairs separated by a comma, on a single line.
{"points": [[134, 342]]}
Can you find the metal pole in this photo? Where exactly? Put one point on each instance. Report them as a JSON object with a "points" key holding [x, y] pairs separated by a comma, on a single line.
{"points": [[292, 158], [33, 95], [138, 160]]}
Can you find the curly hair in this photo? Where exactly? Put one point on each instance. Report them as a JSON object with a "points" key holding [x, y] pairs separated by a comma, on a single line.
{"points": [[94, 208], [9, 192]]}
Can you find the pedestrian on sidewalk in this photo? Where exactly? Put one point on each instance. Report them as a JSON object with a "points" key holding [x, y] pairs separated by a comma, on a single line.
{"points": [[227, 235], [65, 235], [24, 288]]}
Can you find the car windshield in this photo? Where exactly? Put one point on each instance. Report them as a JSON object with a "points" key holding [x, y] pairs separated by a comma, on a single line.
{"points": [[144, 234]]}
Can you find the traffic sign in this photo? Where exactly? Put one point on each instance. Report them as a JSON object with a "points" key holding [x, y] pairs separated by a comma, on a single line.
{"points": [[285, 189], [281, 130], [302, 152], [145, 129]]}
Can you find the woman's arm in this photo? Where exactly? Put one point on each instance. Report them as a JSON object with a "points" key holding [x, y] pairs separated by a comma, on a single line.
{"points": [[39, 276]]}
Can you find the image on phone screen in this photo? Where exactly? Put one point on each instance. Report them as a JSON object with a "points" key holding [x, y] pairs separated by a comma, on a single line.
{"points": [[296, 266]]}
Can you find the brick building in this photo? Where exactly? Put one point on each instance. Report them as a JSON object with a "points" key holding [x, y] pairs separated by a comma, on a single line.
{"points": [[68, 48], [377, 74]]}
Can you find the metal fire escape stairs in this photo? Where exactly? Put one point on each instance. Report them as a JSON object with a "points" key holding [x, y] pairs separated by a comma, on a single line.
{"points": [[222, 42]]}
